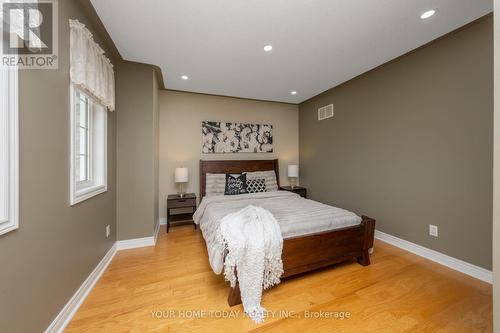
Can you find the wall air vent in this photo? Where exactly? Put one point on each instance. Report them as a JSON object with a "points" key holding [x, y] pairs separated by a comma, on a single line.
{"points": [[325, 112]]}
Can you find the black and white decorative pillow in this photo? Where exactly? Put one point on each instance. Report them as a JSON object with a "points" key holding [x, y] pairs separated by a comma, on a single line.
{"points": [[256, 185], [236, 184]]}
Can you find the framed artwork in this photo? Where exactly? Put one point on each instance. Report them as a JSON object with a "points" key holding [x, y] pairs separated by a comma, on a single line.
{"points": [[223, 137]]}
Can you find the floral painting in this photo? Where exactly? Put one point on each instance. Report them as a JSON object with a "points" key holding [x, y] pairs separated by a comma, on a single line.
{"points": [[222, 137]]}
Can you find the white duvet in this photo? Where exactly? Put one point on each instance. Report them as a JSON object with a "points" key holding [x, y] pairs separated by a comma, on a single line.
{"points": [[296, 217]]}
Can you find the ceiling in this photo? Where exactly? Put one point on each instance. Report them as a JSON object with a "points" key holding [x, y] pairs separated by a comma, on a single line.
{"points": [[317, 44]]}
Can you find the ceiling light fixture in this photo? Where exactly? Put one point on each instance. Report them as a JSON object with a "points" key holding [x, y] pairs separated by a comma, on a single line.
{"points": [[268, 48], [293, 92], [184, 77], [428, 14]]}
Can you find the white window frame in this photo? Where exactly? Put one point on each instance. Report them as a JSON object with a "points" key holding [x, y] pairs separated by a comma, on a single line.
{"points": [[97, 170], [9, 150]]}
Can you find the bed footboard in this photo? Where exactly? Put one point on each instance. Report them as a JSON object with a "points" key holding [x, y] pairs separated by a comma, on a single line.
{"points": [[306, 253]]}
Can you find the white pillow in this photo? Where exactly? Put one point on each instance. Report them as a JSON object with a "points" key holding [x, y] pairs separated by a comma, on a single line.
{"points": [[269, 176], [215, 184]]}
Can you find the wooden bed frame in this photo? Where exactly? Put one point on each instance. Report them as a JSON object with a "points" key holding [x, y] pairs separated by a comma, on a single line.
{"points": [[303, 253]]}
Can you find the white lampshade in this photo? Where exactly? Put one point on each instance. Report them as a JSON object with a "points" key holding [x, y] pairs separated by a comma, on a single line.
{"points": [[181, 175], [293, 171]]}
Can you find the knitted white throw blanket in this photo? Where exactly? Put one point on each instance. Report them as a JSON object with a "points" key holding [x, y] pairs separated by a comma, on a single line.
{"points": [[253, 239]]}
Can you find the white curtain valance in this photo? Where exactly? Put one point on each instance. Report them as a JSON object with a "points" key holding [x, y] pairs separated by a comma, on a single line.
{"points": [[89, 67]]}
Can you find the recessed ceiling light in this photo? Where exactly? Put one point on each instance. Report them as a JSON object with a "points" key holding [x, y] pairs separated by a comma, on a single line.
{"points": [[268, 48], [184, 77], [293, 92], [428, 14]]}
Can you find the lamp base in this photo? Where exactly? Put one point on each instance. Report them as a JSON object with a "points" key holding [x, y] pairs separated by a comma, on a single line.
{"points": [[181, 192]]}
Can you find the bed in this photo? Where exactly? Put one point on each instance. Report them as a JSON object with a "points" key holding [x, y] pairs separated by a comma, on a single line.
{"points": [[304, 248]]}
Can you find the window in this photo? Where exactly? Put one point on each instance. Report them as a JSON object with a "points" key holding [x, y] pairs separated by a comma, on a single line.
{"points": [[82, 139], [88, 147], [9, 151]]}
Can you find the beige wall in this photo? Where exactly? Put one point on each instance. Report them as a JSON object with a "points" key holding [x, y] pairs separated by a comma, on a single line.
{"points": [[181, 115], [57, 245], [411, 145], [136, 150], [496, 175]]}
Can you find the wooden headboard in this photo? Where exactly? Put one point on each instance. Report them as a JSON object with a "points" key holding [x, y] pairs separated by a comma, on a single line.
{"points": [[235, 166]]}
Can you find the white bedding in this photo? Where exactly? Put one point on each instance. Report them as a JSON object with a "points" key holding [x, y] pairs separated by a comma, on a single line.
{"points": [[296, 216], [254, 246]]}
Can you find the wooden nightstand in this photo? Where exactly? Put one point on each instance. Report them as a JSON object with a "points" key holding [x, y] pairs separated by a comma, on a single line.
{"points": [[302, 191], [180, 209]]}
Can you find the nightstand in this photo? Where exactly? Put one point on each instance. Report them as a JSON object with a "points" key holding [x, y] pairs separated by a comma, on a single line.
{"points": [[180, 209], [302, 191]]}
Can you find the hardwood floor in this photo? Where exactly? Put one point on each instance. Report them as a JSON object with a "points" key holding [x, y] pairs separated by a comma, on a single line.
{"points": [[146, 290]]}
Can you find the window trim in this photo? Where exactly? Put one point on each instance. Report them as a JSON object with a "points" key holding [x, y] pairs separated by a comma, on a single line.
{"points": [[11, 201], [77, 192]]}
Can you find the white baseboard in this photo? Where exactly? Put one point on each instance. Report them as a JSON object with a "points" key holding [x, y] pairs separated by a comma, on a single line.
{"points": [[136, 242], [69, 310], [443, 259], [139, 242], [157, 230]]}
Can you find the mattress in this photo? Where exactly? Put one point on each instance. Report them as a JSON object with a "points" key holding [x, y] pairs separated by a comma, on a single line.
{"points": [[296, 216]]}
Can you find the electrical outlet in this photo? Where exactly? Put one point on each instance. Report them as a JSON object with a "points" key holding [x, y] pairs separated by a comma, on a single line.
{"points": [[108, 231], [433, 230]]}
